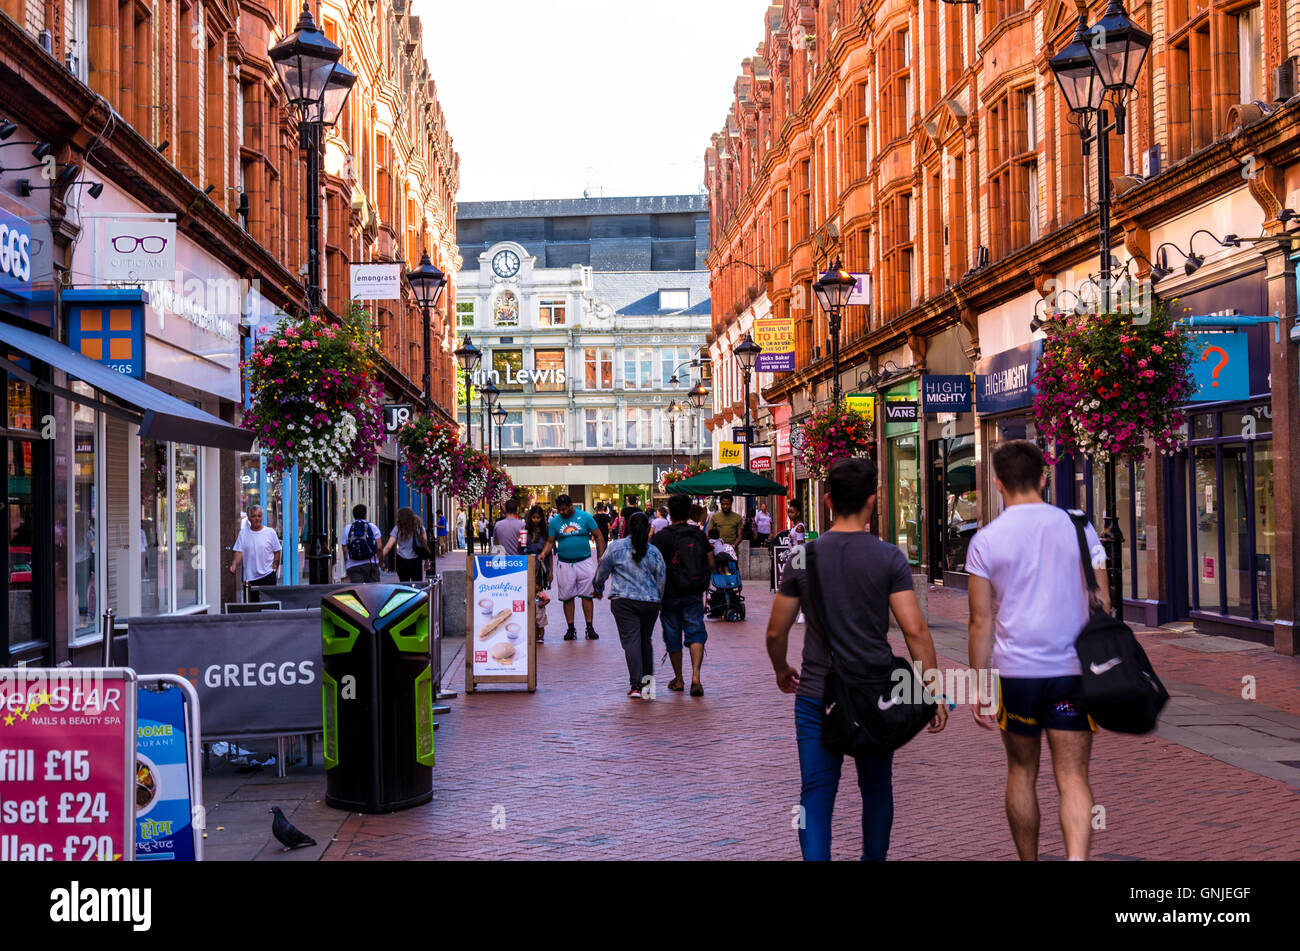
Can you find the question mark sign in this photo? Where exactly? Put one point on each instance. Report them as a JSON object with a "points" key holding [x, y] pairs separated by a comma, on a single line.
{"points": [[1205, 355]]}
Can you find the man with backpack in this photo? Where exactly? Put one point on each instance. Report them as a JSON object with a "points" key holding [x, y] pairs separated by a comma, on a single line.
{"points": [[1027, 562], [689, 561], [362, 548]]}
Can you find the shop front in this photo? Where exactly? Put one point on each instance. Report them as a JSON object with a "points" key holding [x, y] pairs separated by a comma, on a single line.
{"points": [[952, 512], [1222, 520], [900, 414]]}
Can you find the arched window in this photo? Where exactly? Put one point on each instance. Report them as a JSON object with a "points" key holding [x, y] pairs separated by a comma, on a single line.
{"points": [[506, 310]]}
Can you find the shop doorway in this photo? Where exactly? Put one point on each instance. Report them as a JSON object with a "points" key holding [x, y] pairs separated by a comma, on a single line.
{"points": [[953, 514]]}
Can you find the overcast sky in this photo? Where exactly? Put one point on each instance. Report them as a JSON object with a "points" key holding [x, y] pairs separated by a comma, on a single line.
{"points": [[546, 98]]}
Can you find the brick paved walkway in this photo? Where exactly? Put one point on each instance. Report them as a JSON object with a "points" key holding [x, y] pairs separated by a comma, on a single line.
{"points": [[578, 771]]}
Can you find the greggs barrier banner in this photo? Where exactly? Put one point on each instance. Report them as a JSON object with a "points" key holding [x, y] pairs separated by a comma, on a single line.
{"points": [[776, 336], [254, 673]]}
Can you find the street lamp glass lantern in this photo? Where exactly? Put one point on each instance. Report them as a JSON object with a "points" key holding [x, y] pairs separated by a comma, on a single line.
{"points": [[1121, 49], [490, 394], [427, 283], [747, 353], [835, 288], [337, 89], [499, 415], [468, 356], [1076, 73], [698, 395], [305, 60]]}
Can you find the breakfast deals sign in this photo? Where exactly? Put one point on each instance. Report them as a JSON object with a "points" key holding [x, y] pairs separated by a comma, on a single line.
{"points": [[501, 621]]}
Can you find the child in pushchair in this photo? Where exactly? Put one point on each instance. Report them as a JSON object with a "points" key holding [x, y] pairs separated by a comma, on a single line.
{"points": [[725, 602]]}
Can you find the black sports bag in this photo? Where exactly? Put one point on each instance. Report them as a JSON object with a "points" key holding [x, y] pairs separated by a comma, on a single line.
{"points": [[1121, 691]]}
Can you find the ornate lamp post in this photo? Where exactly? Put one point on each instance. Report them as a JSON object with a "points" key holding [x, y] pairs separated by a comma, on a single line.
{"points": [[489, 395], [747, 355], [314, 80], [1099, 63], [427, 283], [674, 410], [468, 358], [499, 415], [833, 290]]}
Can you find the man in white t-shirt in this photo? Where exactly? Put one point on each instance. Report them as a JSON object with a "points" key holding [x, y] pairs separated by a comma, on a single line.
{"points": [[257, 549], [1025, 572], [362, 555]]}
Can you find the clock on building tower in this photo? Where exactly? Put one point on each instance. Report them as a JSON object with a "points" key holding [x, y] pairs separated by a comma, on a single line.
{"points": [[505, 264]]}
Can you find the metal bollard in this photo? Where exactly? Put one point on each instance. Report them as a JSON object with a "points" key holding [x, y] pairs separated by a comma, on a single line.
{"points": [[106, 626]]}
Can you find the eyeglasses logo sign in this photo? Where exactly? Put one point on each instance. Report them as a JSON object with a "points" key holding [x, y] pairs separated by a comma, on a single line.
{"points": [[136, 251]]}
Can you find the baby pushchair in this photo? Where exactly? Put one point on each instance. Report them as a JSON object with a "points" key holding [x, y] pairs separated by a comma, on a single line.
{"points": [[726, 603]]}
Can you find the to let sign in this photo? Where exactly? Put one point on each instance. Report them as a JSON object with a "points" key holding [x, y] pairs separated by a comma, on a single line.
{"points": [[397, 415], [776, 337], [67, 765]]}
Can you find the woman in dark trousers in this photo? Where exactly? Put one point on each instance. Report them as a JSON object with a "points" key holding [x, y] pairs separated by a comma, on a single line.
{"points": [[636, 572], [405, 536], [534, 542]]}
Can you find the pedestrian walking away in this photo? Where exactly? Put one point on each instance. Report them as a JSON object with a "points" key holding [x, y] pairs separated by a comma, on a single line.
{"points": [[635, 572], [872, 578], [442, 533], [481, 526], [507, 531], [257, 550], [602, 520], [1028, 603], [408, 535], [688, 561], [362, 548], [570, 534]]}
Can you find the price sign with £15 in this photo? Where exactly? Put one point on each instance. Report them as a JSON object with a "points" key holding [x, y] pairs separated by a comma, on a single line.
{"points": [[67, 765]]}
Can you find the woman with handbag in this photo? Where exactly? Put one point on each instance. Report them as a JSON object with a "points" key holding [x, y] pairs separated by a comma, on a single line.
{"points": [[848, 665], [412, 546], [636, 573]]}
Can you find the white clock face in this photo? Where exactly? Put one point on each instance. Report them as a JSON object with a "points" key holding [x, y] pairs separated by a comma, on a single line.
{"points": [[505, 264]]}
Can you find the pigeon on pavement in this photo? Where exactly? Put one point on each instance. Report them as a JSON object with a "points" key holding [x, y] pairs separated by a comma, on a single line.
{"points": [[286, 834]]}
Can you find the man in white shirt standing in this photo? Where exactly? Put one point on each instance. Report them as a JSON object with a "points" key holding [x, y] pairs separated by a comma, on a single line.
{"points": [[362, 548], [1026, 562], [257, 549]]}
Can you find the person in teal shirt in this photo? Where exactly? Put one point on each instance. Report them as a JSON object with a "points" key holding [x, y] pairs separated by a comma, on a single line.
{"points": [[570, 534]]}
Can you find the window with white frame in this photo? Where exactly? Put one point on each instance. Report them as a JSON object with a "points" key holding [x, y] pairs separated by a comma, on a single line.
{"points": [[550, 428], [639, 427], [670, 358], [511, 432], [551, 312], [674, 299], [638, 368], [464, 313], [599, 428], [599, 368], [1250, 55]]}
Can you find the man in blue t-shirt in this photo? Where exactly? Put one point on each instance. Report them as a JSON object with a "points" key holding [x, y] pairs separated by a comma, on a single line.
{"points": [[570, 533]]}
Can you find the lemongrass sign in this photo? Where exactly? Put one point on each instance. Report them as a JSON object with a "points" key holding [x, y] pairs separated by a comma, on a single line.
{"points": [[776, 336]]}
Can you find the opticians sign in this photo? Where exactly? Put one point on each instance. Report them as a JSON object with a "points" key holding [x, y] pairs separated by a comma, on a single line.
{"points": [[136, 250]]}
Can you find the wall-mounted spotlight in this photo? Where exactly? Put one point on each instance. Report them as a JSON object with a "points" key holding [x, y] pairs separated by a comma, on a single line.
{"points": [[66, 176], [162, 146], [210, 189], [7, 129]]}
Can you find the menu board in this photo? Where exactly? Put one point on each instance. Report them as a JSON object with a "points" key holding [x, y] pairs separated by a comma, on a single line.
{"points": [[164, 810], [67, 754], [500, 617]]}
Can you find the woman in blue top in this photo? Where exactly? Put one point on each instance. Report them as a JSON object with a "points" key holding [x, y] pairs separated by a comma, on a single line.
{"points": [[636, 572]]}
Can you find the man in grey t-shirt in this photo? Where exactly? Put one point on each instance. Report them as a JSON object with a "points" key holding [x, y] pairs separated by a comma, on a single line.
{"points": [[505, 534], [863, 579]]}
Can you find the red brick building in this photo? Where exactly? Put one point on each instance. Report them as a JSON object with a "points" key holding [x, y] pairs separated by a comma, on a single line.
{"points": [[928, 145]]}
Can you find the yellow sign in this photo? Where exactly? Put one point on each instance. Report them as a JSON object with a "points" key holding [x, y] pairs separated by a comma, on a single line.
{"points": [[730, 454], [863, 403], [776, 336]]}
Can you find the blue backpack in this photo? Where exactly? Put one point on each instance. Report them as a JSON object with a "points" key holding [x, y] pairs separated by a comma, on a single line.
{"points": [[361, 541]]}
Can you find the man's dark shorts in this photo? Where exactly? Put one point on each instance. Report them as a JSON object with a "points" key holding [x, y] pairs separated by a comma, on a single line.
{"points": [[682, 615], [265, 580], [1027, 705]]}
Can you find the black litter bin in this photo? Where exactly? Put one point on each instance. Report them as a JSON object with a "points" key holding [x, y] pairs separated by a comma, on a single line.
{"points": [[377, 698]]}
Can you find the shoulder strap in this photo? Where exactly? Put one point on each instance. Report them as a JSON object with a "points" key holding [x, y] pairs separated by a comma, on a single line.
{"points": [[1080, 521], [815, 596]]}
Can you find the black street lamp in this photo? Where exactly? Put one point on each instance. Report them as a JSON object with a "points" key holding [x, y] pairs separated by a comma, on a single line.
{"points": [[314, 80], [468, 358], [427, 283], [833, 291], [1105, 60], [674, 410], [747, 355], [488, 396], [499, 415]]}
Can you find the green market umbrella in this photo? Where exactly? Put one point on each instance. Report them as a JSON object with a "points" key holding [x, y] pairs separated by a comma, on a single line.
{"points": [[727, 480]]}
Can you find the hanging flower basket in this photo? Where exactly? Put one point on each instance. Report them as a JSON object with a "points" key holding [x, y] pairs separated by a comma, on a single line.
{"points": [[698, 467], [670, 477], [499, 488], [316, 399], [430, 451], [1106, 384], [470, 481], [832, 434]]}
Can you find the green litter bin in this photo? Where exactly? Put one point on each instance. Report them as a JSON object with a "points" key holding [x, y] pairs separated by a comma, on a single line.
{"points": [[377, 698]]}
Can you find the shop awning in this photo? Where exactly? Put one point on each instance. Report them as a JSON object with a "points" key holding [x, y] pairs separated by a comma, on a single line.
{"points": [[159, 415]]}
